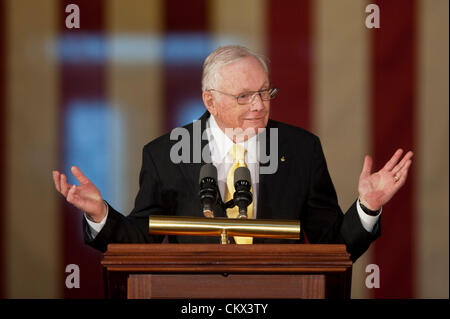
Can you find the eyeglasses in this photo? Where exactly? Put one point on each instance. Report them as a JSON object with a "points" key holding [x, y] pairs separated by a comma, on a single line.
{"points": [[249, 97]]}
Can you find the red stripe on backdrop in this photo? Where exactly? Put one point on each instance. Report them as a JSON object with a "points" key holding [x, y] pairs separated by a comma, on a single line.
{"points": [[182, 80], [186, 16], [2, 145], [393, 117], [290, 54], [84, 80]]}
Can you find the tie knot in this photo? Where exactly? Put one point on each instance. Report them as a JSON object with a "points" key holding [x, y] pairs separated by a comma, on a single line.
{"points": [[238, 153]]}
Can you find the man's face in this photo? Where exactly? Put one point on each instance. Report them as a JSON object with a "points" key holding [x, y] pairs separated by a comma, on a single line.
{"points": [[243, 75]]}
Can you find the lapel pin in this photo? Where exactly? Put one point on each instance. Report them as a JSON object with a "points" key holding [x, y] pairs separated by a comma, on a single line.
{"points": [[283, 159]]}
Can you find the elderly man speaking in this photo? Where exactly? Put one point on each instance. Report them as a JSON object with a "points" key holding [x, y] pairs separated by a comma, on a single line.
{"points": [[237, 93]]}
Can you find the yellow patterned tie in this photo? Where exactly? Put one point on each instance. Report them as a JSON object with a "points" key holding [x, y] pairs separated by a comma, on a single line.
{"points": [[237, 152]]}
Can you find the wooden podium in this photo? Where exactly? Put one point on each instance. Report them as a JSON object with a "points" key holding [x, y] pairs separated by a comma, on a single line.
{"points": [[269, 271]]}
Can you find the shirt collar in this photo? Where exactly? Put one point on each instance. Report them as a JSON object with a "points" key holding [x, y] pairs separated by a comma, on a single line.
{"points": [[220, 143]]}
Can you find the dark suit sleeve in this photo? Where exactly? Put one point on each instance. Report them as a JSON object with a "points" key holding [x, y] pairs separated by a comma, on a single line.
{"points": [[134, 227], [324, 221], [356, 237]]}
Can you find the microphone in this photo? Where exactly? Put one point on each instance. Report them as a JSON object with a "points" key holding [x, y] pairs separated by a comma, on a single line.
{"points": [[242, 196], [208, 189]]}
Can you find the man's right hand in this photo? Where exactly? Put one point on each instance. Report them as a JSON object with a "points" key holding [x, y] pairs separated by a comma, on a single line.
{"points": [[85, 196]]}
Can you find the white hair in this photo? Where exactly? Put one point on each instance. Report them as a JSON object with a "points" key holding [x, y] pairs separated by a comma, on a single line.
{"points": [[222, 56]]}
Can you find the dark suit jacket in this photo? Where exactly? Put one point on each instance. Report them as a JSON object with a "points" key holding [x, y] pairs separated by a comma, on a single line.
{"points": [[301, 189]]}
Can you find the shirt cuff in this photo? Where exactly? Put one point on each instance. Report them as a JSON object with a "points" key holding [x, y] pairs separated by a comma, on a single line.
{"points": [[94, 227], [367, 221]]}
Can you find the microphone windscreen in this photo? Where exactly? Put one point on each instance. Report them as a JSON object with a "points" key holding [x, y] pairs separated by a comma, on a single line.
{"points": [[208, 170], [242, 173]]}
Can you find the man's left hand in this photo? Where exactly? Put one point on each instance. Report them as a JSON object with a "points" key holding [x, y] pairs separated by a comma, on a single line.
{"points": [[377, 189]]}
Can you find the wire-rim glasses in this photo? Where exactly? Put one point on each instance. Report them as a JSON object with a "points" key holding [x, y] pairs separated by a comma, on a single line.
{"points": [[248, 97]]}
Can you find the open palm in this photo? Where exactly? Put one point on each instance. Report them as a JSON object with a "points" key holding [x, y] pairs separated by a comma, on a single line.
{"points": [[376, 189], [85, 196]]}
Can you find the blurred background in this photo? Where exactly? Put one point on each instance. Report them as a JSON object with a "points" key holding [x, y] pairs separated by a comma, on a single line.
{"points": [[94, 96]]}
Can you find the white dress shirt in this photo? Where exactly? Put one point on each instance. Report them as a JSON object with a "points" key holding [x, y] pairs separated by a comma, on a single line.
{"points": [[220, 145]]}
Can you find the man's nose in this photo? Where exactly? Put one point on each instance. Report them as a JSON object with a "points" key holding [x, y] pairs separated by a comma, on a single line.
{"points": [[256, 104]]}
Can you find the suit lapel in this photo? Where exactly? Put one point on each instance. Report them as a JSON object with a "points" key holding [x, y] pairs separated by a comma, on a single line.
{"points": [[269, 183], [262, 212], [191, 171]]}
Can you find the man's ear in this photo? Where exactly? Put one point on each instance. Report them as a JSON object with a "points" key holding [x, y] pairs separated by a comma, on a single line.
{"points": [[208, 100]]}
